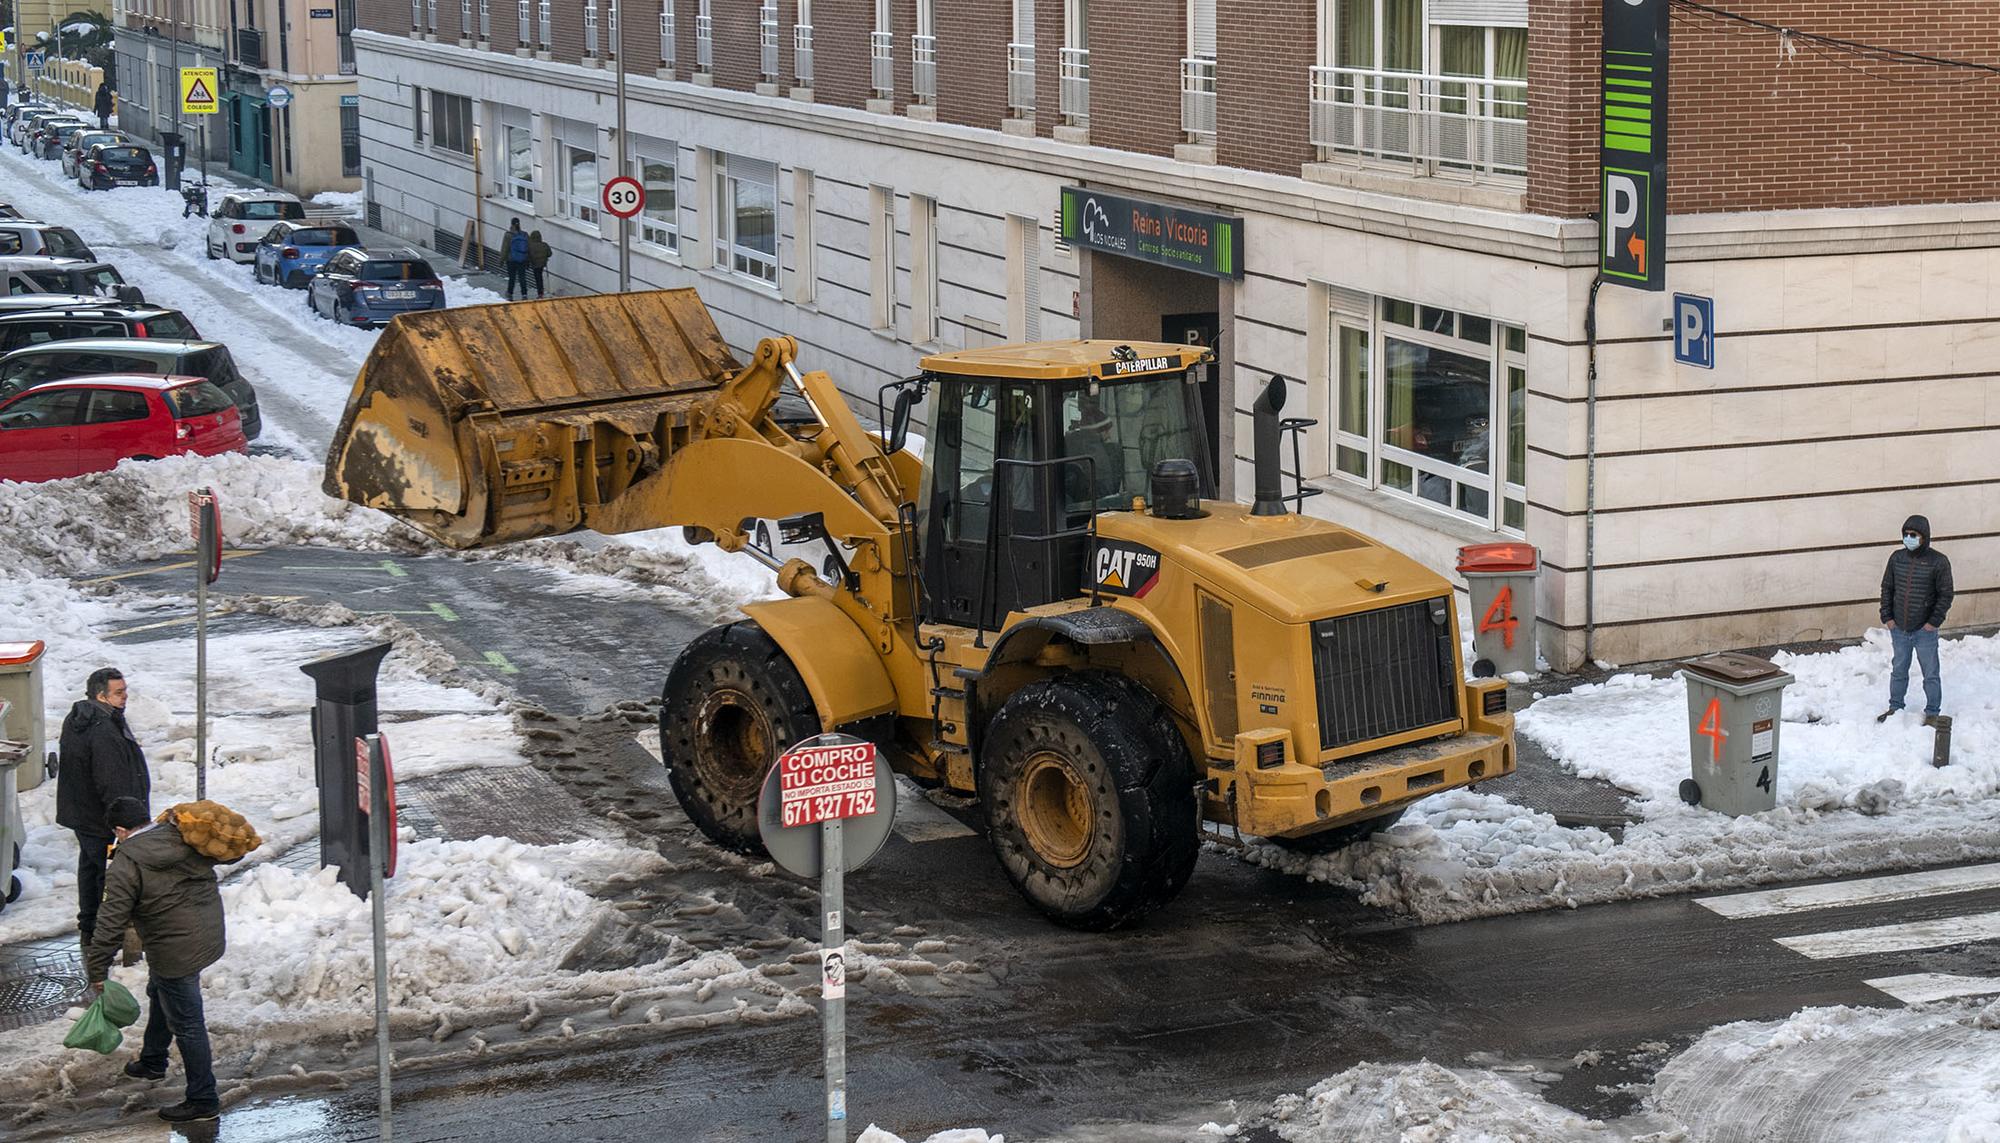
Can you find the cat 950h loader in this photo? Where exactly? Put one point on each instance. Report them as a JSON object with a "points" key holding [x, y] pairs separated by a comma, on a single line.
{"points": [[1049, 611]]}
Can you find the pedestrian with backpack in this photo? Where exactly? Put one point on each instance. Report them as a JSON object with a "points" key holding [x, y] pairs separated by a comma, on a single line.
{"points": [[516, 248]]}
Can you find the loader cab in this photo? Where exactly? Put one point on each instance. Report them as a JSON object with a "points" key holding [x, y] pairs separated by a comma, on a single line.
{"points": [[1029, 443]]}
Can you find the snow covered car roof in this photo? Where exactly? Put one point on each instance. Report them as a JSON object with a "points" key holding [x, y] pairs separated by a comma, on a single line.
{"points": [[118, 381], [261, 196]]}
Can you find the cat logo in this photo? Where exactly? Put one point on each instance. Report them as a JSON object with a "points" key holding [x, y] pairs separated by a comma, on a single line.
{"points": [[1118, 568]]}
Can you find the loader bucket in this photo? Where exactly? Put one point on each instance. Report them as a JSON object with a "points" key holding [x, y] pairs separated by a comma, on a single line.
{"points": [[492, 423]]}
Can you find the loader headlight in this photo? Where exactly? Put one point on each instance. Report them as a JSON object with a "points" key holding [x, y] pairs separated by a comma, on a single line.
{"points": [[1270, 755], [1495, 701]]}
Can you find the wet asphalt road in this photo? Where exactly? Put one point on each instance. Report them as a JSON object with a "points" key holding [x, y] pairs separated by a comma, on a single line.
{"points": [[1253, 984]]}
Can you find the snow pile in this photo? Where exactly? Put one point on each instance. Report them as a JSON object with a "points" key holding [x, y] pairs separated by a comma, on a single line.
{"points": [[1854, 796], [472, 923], [1425, 1103], [138, 511], [875, 1134]]}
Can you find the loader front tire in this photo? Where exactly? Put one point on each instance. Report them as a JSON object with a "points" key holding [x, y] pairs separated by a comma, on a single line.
{"points": [[732, 703], [1089, 798]]}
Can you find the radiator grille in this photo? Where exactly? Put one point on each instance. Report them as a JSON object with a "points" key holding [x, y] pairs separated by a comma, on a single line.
{"points": [[1384, 672], [1218, 663]]}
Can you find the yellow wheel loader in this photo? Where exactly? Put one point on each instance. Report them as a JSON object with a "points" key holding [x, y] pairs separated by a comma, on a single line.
{"points": [[1049, 611]]}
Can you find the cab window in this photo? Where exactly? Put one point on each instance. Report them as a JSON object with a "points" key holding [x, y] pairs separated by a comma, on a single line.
{"points": [[1124, 429]]}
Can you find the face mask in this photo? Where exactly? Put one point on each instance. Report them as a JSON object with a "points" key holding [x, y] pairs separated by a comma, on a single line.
{"points": [[1911, 542]]}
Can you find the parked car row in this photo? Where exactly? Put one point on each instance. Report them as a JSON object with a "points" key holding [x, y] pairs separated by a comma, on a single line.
{"points": [[342, 280], [89, 374]]}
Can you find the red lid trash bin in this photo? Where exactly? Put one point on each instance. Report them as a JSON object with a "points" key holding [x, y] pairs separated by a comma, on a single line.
{"points": [[1501, 578]]}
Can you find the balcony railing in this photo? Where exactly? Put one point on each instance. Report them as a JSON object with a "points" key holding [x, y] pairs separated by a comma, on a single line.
{"points": [[1074, 89], [1021, 80], [802, 54], [667, 54], [1432, 123], [704, 42], [881, 65], [1198, 99], [250, 47], [590, 28], [923, 68], [767, 43], [521, 33]]}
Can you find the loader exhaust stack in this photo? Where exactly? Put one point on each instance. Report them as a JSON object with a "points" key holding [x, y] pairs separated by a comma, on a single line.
{"points": [[1270, 476]]}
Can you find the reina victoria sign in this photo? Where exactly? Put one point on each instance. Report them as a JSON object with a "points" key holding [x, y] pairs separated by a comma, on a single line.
{"points": [[1153, 232]]}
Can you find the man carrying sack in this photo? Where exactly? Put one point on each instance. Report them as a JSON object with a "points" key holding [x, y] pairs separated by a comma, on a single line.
{"points": [[162, 880]]}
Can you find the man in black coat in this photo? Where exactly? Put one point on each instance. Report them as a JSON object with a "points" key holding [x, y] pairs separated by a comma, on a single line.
{"points": [[103, 106], [1916, 595], [100, 761]]}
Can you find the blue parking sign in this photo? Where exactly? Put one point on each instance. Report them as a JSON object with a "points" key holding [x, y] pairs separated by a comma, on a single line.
{"points": [[1694, 331]]}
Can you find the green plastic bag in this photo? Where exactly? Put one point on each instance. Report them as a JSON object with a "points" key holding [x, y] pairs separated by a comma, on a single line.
{"points": [[98, 1029]]}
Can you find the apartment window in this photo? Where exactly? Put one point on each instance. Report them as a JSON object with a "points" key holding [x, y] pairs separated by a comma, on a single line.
{"points": [[882, 256], [1381, 35], [578, 182], [804, 249], [746, 225], [590, 27], [350, 140], [1425, 400], [657, 163], [451, 122], [517, 155], [923, 269], [417, 114]]}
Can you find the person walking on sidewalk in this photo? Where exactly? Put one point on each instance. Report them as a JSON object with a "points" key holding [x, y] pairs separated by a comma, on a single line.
{"points": [[1916, 596], [166, 888], [99, 762], [103, 106], [516, 251], [538, 260]]}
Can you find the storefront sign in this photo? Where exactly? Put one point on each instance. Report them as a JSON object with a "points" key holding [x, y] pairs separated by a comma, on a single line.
{"points": [[320, 13], [1153, 232], [350, 101], [1634, 154]]}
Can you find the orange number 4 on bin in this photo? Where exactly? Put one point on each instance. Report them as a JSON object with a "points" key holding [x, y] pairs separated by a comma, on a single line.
{"points": [[1500, 617]]}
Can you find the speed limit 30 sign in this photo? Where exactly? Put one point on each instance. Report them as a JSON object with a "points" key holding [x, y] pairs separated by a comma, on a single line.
{"points": [[624, 196]]}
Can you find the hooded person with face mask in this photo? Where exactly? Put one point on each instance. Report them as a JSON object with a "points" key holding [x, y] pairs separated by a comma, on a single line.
{"points": [[1916, 595]]}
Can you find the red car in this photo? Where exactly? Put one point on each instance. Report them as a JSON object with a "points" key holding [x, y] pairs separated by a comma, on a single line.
{"points": [[89, 424]]}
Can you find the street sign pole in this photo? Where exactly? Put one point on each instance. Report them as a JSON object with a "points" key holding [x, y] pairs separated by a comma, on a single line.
{"points": [[624, 152], [378, 852], [832, 900], [207, 528]]}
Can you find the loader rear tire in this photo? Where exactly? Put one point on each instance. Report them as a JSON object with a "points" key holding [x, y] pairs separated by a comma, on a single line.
{"points": [[732, 703], [1089, 798], [1339, 837]]}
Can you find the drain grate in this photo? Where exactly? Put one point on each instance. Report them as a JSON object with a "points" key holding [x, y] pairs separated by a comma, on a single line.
{"points": [[38, 988]]}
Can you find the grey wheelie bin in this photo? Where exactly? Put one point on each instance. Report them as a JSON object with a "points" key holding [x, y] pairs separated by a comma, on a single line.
{"points": [[1735, 713]]}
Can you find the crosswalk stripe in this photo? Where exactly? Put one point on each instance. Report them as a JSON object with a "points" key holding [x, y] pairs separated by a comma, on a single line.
{"points": [[1923, 987], [917, 819], [1866, 891], [1896, 938]]}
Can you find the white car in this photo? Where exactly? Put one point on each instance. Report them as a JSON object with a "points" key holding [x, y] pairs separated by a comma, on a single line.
{"points": [[243, 217]]}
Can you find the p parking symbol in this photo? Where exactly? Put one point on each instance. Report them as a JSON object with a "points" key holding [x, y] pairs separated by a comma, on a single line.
{"points": [[1694, 331]]}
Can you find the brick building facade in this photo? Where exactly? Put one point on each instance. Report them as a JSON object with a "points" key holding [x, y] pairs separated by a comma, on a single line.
{"points": [[1417, 181]]}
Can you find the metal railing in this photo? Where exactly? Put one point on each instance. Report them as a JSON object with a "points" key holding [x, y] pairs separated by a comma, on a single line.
{"points": [[1073, 98], [923, 68], [1198, 99], [704, 42], [802, 54], [1431, 122], [521, 33], [667, 54], [1021, 80], [590, 27], [767, 43], [881, 65]]}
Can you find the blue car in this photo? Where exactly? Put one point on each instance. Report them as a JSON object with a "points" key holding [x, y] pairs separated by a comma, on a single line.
{"points": [[364, 289], [292, 252]]}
